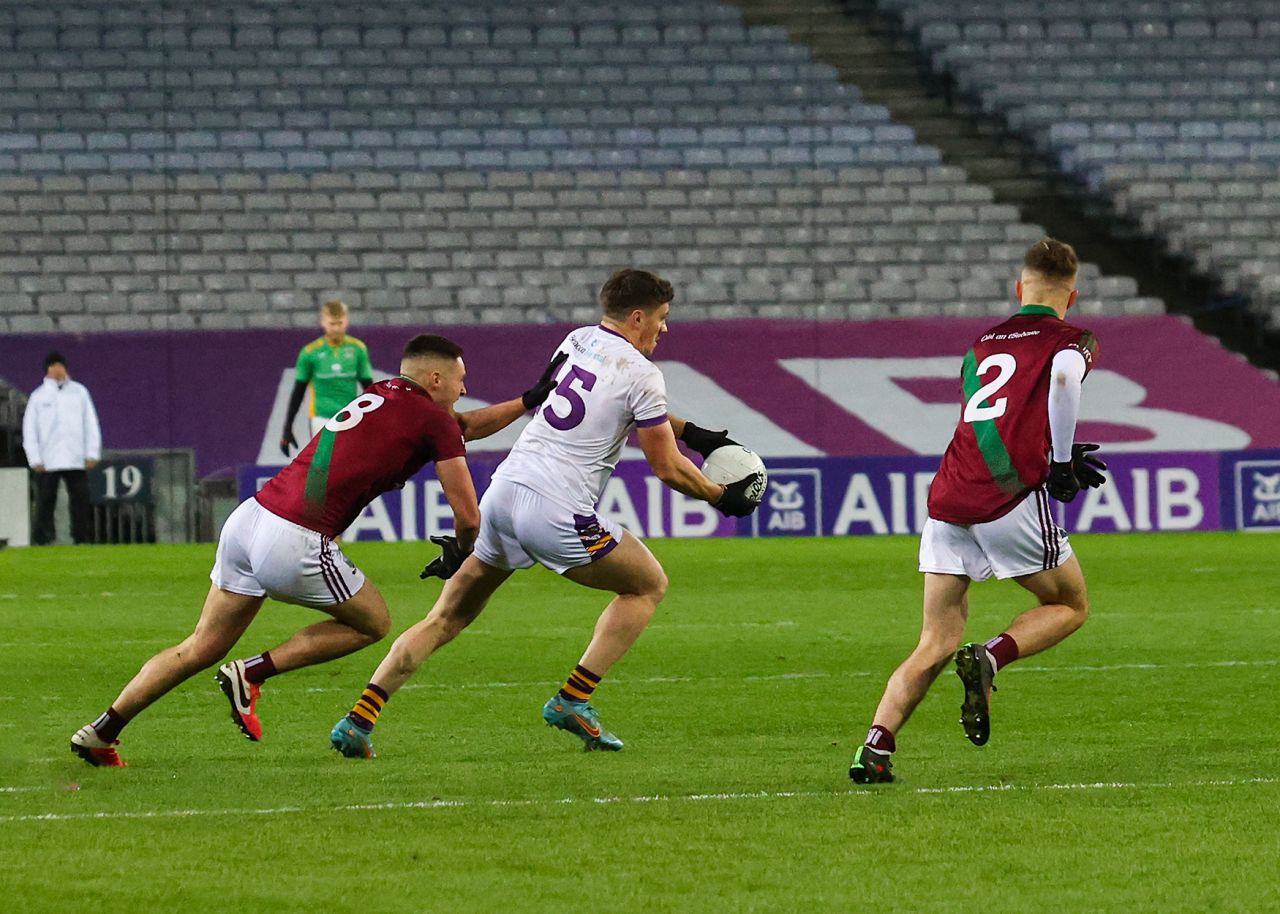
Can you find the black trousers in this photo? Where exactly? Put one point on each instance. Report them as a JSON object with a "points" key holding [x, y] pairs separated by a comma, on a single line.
{"points": [[78, 498]]}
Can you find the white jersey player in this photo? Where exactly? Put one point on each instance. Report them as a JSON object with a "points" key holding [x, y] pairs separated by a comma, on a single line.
{"points": [[550, 483], [540, 508]]}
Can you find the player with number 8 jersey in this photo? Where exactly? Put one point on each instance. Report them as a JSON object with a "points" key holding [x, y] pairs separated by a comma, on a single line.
{"points": [[281, 543], [376, 443]]}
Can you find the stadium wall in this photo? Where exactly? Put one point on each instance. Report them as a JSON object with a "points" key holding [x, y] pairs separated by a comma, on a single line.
{"points": [[843, 496], [787, 389]]}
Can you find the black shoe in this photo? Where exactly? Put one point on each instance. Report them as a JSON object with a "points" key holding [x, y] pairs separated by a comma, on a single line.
{"points": [[974, 670], [871, 767]]}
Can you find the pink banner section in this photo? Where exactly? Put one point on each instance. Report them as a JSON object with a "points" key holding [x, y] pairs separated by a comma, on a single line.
{"points": [[784, 388]]}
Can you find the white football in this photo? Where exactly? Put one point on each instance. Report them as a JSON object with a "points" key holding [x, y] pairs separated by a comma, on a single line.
{"points": [[733, 463]]}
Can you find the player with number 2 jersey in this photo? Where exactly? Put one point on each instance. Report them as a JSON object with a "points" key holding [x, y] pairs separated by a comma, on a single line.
{"points": [[989, 505], [1000, 450]]}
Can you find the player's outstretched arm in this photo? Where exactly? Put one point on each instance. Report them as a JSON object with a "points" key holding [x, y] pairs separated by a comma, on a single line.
{"points": [[487, 420], [675, 469], [483, 422]]}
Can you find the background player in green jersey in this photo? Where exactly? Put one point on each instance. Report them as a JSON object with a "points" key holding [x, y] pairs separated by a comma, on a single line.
{"points": [[336, 368]]}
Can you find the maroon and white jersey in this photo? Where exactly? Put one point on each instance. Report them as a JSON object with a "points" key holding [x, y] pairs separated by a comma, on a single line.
{"points": [[374, 444], [1000, 449]]}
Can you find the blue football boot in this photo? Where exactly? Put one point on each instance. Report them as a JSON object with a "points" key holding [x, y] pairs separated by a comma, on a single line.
{"points": [[350, 740], [580, 719]]}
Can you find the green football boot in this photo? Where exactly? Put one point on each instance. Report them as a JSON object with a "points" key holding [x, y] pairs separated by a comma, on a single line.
{"points": [[871, 767]]}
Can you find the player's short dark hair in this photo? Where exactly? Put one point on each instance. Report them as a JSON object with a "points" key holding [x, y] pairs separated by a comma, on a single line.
{"points": [[627, 290], [54, 358], [427, 345], [1054, 260]]}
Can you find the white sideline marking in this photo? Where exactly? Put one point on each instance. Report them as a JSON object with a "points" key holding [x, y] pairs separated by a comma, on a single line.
{"points": [[647, 680], [23, 789], [602, 801], [1216, 664], [129, 641]]}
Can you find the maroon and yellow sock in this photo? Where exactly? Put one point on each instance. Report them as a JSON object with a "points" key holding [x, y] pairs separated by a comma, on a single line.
{"points": [[580, 684], [365, 713]]}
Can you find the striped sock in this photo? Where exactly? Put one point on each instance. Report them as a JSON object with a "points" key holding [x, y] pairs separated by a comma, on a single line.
{"points": [[580, 684], [1002, 650], [259, 668], [109, 725], [881, 740], [365, 714]]}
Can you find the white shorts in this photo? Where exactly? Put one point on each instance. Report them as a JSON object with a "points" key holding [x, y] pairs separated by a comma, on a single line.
{"points": [[1024, 541], [519, 527], [260, 554]]}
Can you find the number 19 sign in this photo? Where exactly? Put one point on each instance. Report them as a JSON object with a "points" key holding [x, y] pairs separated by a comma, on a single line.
{"points": [[121, 480]]}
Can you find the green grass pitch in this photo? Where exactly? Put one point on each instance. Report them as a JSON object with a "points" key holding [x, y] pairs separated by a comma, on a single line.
{"points": [[1133, 768]]}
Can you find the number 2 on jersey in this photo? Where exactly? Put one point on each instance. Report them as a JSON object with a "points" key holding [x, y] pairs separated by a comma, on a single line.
{"points": [[577, 406], [974, 411]]}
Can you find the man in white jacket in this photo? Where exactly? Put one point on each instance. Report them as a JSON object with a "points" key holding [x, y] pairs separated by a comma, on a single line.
{"points": [[61, 436]]}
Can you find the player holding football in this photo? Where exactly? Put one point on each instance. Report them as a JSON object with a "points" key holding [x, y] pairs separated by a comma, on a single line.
{"points": [[336, 367], [989, 511], [280, 543], [540, 508]]}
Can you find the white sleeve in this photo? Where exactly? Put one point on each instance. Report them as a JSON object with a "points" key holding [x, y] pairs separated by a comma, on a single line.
{"points": [[92, 430], [648, 399], [1065, 378], [31, 433]]}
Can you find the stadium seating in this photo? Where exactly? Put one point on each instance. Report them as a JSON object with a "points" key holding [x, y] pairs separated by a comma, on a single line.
{"points": [[1168, 107], [226, 164]]}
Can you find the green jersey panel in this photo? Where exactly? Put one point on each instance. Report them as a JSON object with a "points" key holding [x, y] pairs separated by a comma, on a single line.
{"points": [[335, 373]]}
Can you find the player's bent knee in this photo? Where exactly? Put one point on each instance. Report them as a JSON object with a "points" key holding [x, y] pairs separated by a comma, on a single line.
{"points": [[658, 588]]}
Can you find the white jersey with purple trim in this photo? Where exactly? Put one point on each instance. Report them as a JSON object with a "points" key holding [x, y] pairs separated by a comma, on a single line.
{"points": [[603, 389]]}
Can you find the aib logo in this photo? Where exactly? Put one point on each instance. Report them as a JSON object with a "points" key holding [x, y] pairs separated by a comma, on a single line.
{"points": [[1258, 494], [1266, 488], [791, 504]]}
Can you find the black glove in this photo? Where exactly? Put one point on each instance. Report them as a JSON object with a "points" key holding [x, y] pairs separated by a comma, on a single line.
{"points": [[703, 441], [448, 561], [734, 502], [1087, 468], [287, 441], [1062, 483], [540, 391]]}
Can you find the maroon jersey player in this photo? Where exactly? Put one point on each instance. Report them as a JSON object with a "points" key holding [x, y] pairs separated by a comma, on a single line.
{"points": [[281, 542], [989, 508]]}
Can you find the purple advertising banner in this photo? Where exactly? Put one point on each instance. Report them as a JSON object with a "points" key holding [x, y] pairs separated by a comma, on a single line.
{"points": [[841, 496], [784, 388]]}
